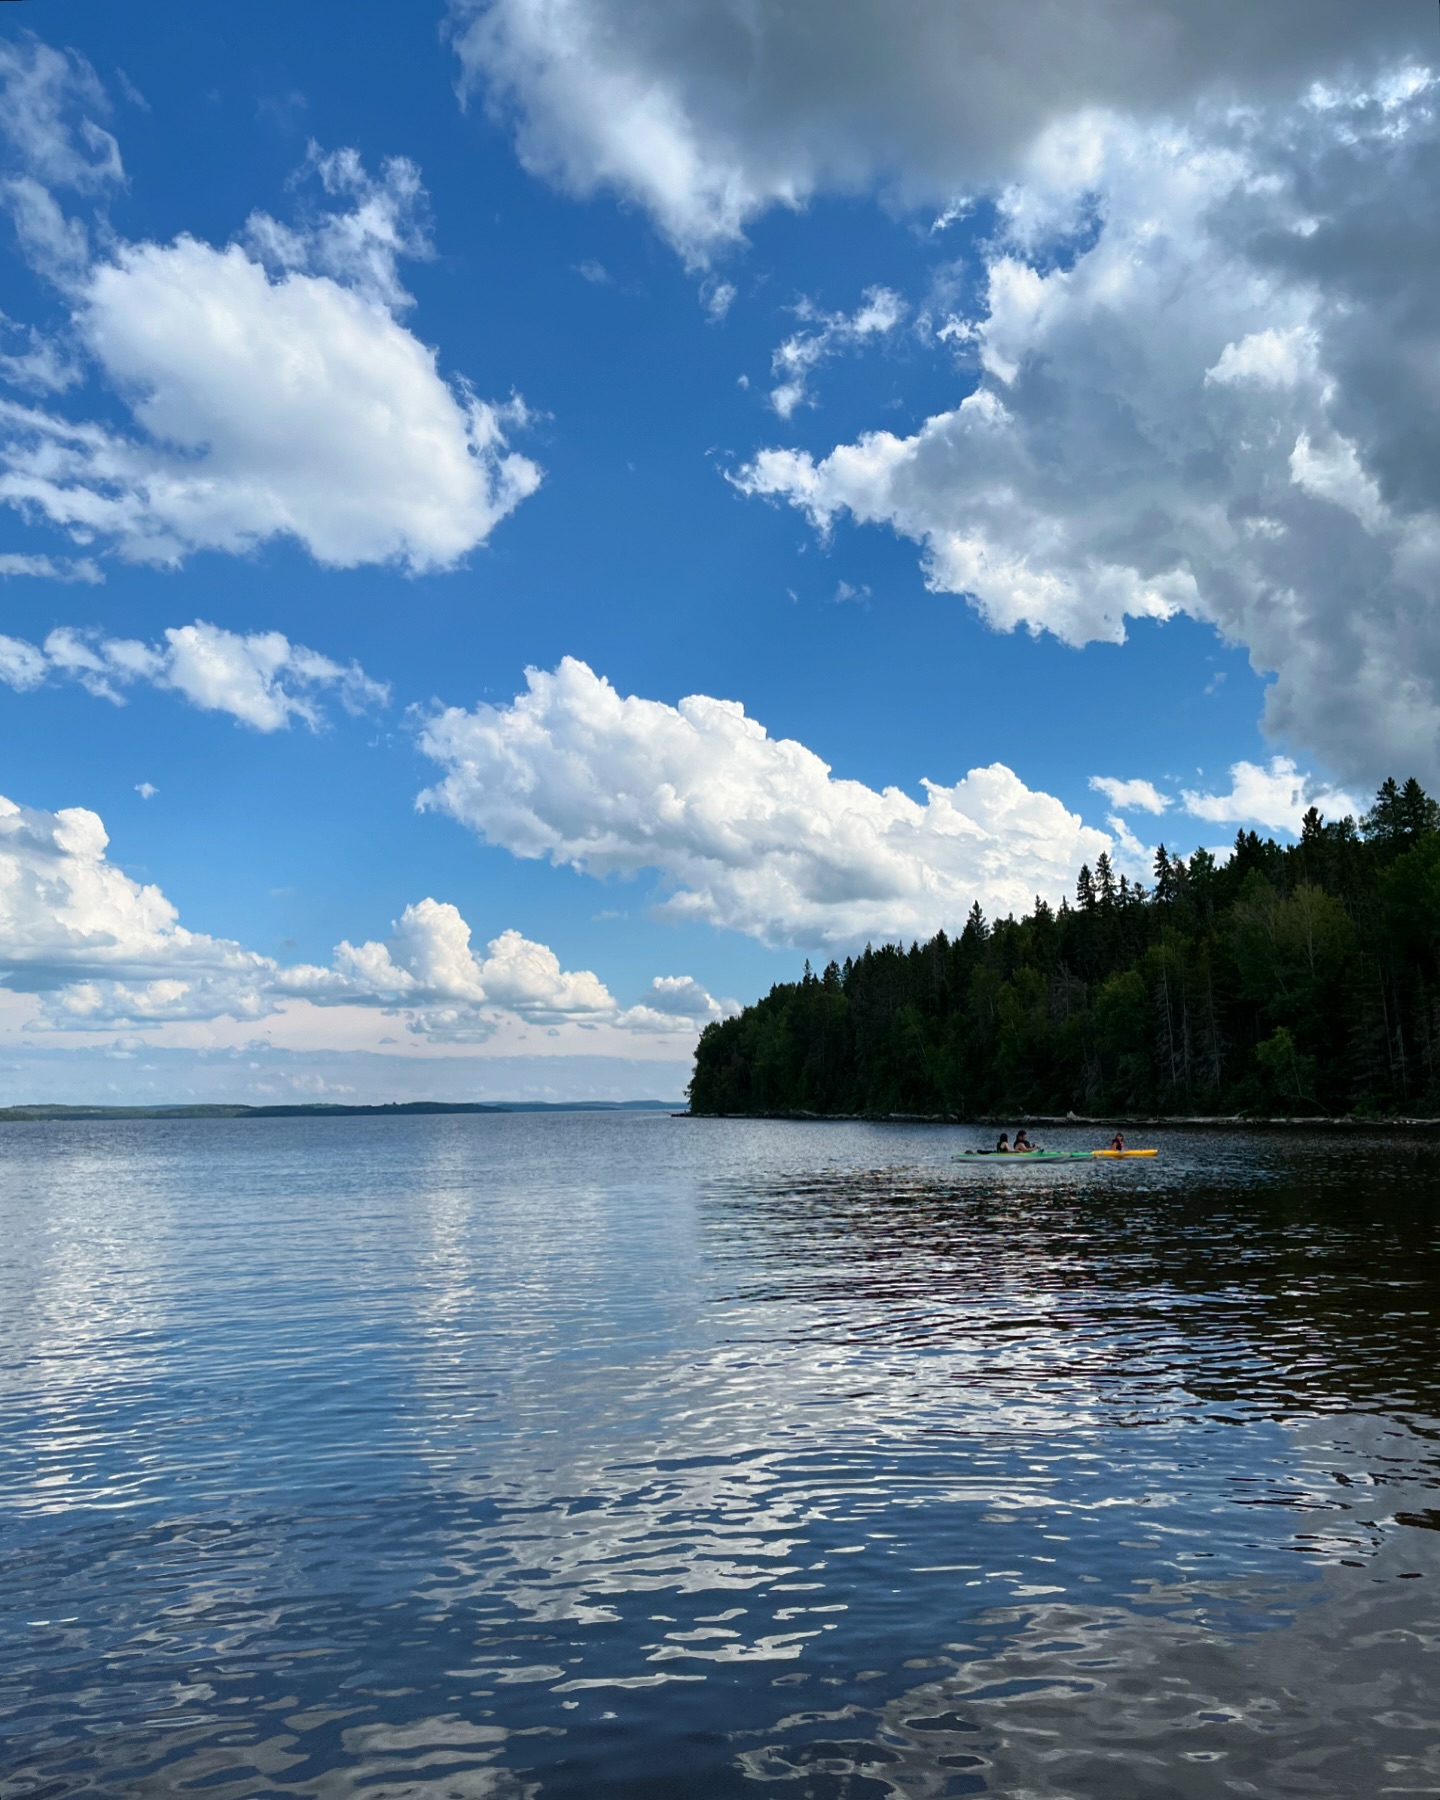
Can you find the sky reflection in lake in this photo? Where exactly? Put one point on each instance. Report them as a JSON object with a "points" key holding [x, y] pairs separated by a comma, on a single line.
{"points": [[583, 1455]]}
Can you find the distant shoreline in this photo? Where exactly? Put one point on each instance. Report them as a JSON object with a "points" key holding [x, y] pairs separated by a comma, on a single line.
{"points": [[39, 1115], [58, 1114]]}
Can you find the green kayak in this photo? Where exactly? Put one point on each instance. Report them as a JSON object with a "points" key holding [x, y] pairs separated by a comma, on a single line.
{"points": [[1029, 1156]]}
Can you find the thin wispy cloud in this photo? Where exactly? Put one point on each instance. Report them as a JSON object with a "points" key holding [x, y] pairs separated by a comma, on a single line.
{"points": [[261, 679]]}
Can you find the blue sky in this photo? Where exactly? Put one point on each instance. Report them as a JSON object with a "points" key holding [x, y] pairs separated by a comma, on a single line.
{"points": [[939, 409]]}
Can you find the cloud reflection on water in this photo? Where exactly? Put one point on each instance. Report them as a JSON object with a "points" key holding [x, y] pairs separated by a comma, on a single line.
{"points": [[536, 1457]]}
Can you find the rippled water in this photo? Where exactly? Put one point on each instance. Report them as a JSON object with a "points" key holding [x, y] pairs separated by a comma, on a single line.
{"points": [[585, 1455]]}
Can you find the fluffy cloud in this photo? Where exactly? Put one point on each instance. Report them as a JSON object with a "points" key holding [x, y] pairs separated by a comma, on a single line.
{"points": [[799, 355], [681, 996], [102, 951], [274, 391], [81, 932], [263, 680], [706, 112], [268, 407], [748, 832], [1205, 382], [1276, 797], [675, 1003], [1207, 353], [1267, 359], [1130, 796], [429, 965]]}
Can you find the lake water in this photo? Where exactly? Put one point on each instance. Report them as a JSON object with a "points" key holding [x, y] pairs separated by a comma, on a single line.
{"points": [[584, 1455]]}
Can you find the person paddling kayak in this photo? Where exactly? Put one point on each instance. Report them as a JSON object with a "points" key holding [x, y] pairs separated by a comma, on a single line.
{"points": [[1118, 1141], [1022, 1142], [1003, 1147]]}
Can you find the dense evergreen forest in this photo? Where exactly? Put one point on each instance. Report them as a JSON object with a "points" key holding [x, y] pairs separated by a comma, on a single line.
{"points": [[1299, 978]]}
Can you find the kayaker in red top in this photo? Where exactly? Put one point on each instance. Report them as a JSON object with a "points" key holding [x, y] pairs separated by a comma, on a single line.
{"points": [[1118, 1141]]}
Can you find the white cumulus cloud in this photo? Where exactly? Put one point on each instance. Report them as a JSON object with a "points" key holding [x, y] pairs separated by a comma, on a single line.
{"points": [[675, 1003], [707, 113], [429, 967], [1130, 796], [1206, 383], [261, 679], [101, 952], [267, 407], [80, 932], [746, 831], [1276, 796], [273, 390], [1270, 358]]}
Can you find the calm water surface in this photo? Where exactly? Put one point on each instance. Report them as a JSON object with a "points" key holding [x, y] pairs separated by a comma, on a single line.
{"points": [[599, 1456]]}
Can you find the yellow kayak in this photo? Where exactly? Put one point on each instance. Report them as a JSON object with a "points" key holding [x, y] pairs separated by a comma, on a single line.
{"points": [[1124, 1152]]}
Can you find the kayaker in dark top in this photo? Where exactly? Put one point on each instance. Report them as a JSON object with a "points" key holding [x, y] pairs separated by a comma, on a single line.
{"points": [[1003, 1147], [1118, 1141], [1022, 1142]]}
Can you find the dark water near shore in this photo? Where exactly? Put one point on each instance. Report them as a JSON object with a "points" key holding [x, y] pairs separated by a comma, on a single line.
{"points": [[611, 1456]]}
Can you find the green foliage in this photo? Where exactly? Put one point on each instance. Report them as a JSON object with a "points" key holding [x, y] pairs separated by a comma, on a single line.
{"points": [[1288, 978], [1287, 1076]]}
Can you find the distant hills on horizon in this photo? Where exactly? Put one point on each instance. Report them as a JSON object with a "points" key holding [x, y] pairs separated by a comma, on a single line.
{"points": [[392, 1109]]}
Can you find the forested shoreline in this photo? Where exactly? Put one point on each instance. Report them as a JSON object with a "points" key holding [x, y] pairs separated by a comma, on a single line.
{"points": [[1289, 978]]}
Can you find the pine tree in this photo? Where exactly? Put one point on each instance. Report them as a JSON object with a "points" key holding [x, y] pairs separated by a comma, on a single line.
{"points": [[1180, 881], [1085, 889], [1382, 823], [1164, 882], [1416, 813]]}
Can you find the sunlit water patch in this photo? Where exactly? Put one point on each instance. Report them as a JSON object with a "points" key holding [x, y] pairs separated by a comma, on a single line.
{"points": [[581, 1455]]}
